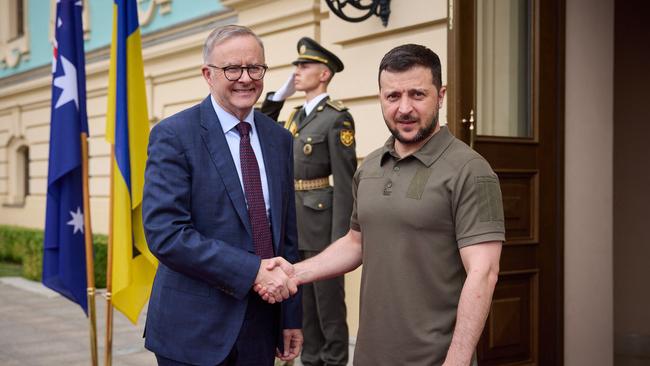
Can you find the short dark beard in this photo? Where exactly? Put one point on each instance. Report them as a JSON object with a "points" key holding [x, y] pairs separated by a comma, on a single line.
{"points": [[422, 134]]}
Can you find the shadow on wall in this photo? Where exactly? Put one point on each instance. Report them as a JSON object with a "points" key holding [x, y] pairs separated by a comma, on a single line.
{"points": [[632, 350]]}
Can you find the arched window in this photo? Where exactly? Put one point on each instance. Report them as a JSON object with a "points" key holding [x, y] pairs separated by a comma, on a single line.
{"points": [[17, 20], [23, 165], [18, 176]]}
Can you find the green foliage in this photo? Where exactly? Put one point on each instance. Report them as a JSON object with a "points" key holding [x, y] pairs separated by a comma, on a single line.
{"points": [[25, 246], [100, 244], [10, 269]]}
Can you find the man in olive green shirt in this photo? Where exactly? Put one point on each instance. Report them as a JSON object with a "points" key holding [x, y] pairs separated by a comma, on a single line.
{"points": [[427, 224]]}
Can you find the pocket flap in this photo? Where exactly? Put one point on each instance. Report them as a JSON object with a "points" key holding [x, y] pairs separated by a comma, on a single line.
{"points": [[312, 139], [319, 200]]}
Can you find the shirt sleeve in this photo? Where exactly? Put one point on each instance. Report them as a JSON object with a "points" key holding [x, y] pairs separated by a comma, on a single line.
{"points": [[354, 221], [477, 204], [343, 164]]}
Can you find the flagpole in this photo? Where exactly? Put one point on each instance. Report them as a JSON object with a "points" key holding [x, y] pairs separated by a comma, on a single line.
{"points": [[88, 237], [109, 270]]}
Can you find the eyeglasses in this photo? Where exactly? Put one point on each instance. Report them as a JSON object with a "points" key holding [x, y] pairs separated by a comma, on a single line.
{"points": [[234, 72]]}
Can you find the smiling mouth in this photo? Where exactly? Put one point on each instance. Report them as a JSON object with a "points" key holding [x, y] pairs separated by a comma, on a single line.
{"points": [[244, 91]]}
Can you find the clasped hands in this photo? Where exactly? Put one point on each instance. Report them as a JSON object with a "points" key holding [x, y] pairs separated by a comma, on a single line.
{"points": [[276, 280]]}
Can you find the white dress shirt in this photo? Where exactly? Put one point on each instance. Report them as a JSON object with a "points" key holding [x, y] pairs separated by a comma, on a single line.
{"points": [[309, 106], [228, 124]]}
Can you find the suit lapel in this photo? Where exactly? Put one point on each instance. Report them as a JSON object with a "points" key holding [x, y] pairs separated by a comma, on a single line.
{"points": [[313, 113], [272, 167], [215, 140]]}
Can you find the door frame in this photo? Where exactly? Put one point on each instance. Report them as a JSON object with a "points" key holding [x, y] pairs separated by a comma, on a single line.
{"points": [[548, 107]]}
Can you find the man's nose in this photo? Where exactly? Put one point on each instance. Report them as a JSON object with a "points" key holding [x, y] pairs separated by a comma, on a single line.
{"points": [[245, 78], [405, 106]]}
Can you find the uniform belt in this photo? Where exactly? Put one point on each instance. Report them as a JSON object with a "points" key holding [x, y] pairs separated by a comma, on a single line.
{"points": [[309, 184]]}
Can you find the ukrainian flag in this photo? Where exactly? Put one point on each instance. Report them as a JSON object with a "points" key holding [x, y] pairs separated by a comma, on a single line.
{"points": [[127, 128]]}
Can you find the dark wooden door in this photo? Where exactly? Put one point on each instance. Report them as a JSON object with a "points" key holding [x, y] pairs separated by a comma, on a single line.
{"points": [[506, 92]]}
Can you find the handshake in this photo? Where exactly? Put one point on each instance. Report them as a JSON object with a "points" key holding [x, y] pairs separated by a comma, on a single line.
{"points": [[276, 280]]}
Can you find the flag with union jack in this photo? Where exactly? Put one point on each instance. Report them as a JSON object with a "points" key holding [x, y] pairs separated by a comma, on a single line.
{"points": [[64, 258]]}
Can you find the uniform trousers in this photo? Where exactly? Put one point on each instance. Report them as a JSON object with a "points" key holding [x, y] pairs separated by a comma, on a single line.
{"points": [[257, 339], [324, 322]]}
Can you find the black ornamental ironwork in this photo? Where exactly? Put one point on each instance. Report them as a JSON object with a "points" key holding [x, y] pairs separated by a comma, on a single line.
{"points": [[380, 8]]}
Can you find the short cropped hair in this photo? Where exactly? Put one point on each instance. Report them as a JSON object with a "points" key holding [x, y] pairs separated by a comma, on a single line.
{"points": [[225, 33], [405, 57]]}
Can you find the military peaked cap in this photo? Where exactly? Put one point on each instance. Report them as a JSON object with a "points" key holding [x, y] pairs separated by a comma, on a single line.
{"points": [[310, 51]]}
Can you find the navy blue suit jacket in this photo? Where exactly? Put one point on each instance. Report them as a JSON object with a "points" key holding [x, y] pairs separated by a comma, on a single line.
{"points": [[196, 224]]}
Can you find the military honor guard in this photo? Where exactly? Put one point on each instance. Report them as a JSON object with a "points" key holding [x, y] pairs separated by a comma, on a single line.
{"points": [[323, 148]]}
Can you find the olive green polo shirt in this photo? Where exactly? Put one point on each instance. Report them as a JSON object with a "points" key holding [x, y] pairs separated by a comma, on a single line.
{"points": [[414, 214]]}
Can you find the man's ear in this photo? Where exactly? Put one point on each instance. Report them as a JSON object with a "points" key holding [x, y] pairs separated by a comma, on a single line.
{"points": [[206, 72], [441, 96], [325, 74]]}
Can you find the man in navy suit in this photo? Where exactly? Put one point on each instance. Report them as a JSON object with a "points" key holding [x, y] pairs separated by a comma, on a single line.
{"points": [[218, 204]]}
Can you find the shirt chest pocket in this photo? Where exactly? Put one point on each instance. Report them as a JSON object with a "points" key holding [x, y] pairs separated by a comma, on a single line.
{"points": [[312, 148]]}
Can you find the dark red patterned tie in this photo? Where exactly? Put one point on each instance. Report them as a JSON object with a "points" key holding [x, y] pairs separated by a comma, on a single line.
{"points": [[262, 241]]}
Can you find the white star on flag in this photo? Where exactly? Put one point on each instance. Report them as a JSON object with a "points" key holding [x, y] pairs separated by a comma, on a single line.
{"points": [[77, 221], [68, 83]]}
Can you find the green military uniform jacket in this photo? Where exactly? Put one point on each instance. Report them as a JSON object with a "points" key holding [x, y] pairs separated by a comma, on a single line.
{"points": [[324, 145]]}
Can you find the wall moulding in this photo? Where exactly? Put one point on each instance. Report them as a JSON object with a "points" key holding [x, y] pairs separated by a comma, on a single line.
{"points": [[266, 17], [15, 51], [14, 35], [239, 5], [145, 16], [290, 22]]}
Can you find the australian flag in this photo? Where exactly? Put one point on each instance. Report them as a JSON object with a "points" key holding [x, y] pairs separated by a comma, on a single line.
{"points": [[64, 258]]}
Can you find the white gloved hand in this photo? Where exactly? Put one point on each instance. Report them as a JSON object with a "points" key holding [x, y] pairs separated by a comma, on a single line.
{"points": [[286, 90]]}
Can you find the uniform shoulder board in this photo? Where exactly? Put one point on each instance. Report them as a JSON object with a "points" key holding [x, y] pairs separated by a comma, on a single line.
{"points": [[337, 104]]}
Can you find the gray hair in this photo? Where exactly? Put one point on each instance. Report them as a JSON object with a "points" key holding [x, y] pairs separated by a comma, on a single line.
{"points": [[224, 33]]}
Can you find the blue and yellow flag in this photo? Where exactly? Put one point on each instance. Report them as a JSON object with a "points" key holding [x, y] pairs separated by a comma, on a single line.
{"points": [[127, 128]]}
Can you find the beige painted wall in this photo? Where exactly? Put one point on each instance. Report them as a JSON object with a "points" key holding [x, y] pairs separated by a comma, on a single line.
{"points": [[588, 302]]}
